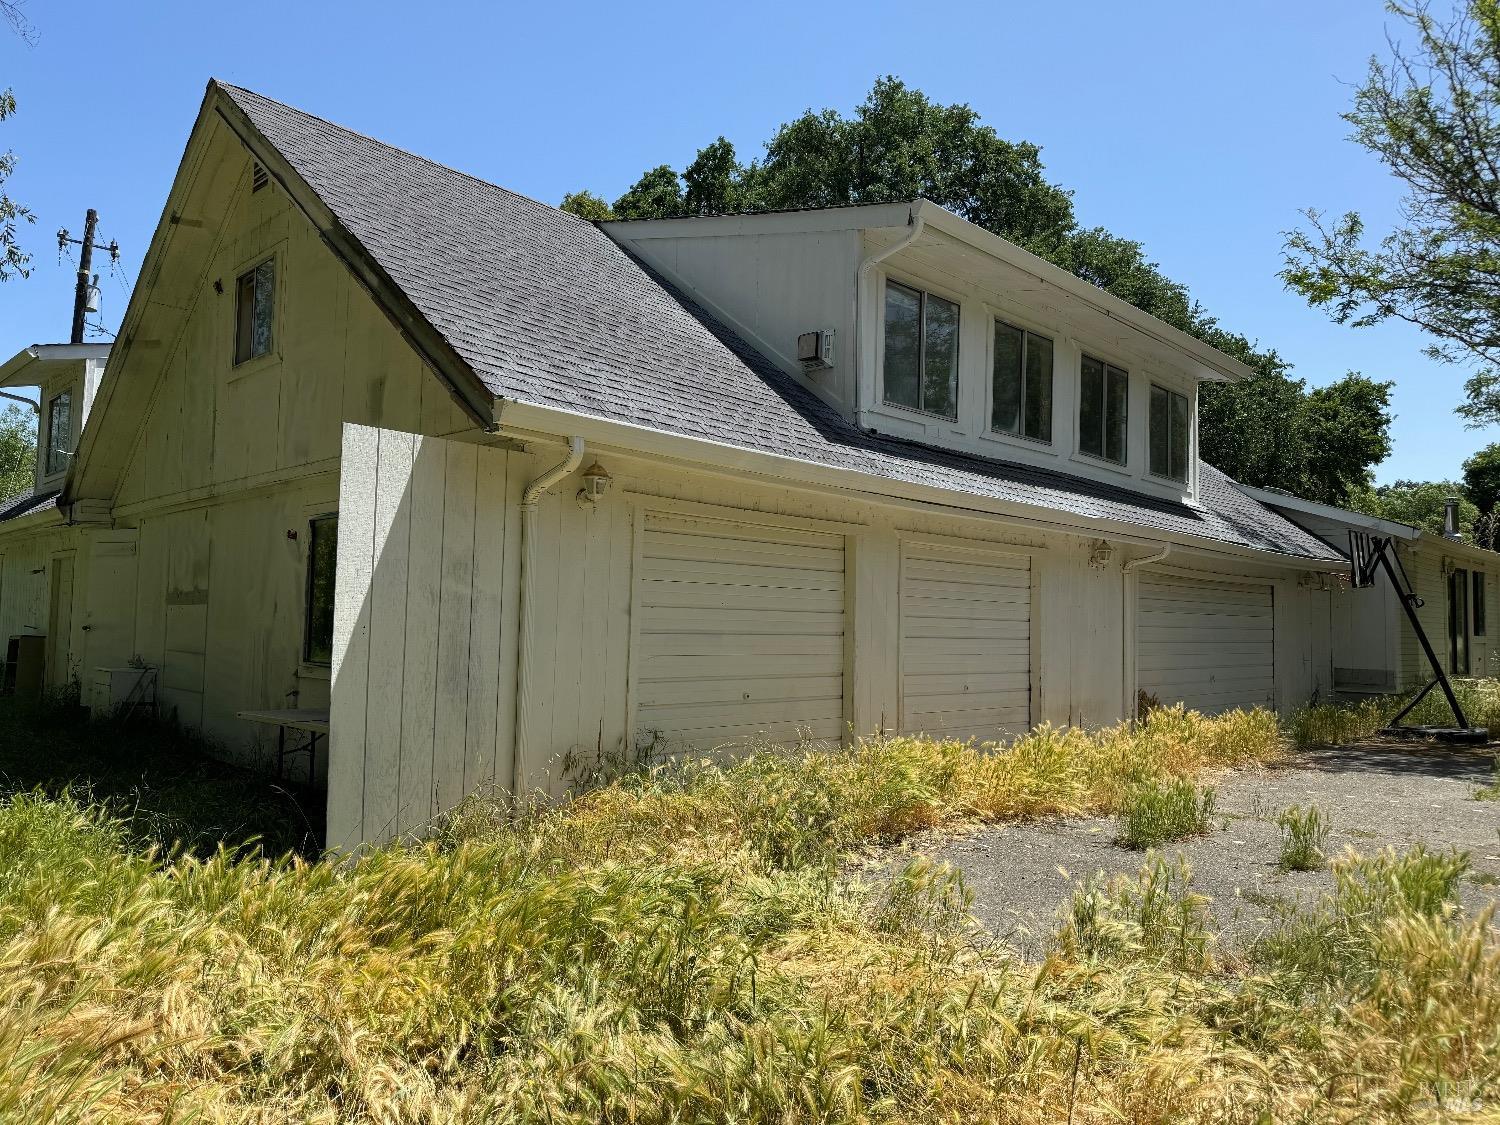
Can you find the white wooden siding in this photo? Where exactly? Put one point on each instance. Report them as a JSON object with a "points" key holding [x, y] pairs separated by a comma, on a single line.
{"points": [[740, 633], [421, 703], [965, 642], [1208, 644]]}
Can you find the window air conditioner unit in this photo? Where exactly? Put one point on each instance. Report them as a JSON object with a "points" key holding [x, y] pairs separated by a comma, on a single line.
{"points": [[815, 350]]}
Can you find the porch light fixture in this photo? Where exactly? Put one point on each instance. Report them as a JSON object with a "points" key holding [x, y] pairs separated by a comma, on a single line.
{"points": [[596, 483], [1101, 555]]}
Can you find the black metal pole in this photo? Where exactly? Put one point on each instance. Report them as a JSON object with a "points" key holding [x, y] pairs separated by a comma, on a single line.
{"points": [[1382, 549]]}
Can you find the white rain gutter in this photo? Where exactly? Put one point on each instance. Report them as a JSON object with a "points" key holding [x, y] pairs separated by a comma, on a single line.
{"points": [[36, 407], [529, 624], [916, 222]]}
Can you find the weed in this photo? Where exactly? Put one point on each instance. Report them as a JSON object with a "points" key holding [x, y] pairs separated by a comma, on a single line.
{"points": [[1304, 835], [1153, 916], [1157, 812]]}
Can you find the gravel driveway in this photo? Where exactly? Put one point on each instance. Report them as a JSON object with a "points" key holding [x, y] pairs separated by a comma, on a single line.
{"points": [[1376, 795]]}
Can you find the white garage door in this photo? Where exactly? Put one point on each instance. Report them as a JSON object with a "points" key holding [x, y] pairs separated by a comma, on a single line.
{"points": [[965, 642], [1204, 643], [740, 634]]}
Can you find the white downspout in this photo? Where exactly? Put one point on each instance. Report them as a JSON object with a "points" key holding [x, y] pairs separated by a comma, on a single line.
{"points": [[1130, 688], [916, 222], [525, 676]]}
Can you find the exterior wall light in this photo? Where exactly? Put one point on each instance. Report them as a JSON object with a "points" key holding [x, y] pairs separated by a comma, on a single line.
{"points": [[596, 483], [1101, 555]]}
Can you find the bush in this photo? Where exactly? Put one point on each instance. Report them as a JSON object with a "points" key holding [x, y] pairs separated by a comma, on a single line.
{"points": [[1157, 812], [1304, 833]]}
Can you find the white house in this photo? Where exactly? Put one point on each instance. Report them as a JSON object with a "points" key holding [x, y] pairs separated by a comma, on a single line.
{"points": [[500, 487]]}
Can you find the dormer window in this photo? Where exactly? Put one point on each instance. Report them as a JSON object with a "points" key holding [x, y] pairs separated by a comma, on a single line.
{"points": [[921, 351], [1103, 409], [59, 433], [254, 299], [1169, 434], [1021, 402]]}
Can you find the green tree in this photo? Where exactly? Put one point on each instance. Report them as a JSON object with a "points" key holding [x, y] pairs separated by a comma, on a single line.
{"points": [[716, 183], [586, 205], [1419, 503], [656, 195], [17, 451], [13, 260], [1482, 478], [1432, 116]]}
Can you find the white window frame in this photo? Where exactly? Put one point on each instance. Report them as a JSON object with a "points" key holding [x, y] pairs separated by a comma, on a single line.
{"points": [[987, 427], [1087, 352], [924, 290], [1187, 465]]}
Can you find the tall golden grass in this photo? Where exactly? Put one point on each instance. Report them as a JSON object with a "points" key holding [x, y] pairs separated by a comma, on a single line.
{"points": [[686, 945]]}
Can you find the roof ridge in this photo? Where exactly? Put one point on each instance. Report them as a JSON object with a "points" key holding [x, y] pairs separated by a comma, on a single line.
{"points": [[230, 86]]}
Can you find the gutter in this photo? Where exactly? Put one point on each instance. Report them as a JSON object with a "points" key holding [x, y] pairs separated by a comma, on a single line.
{"points": [[36, 407], [916, 224], [526, 688]]}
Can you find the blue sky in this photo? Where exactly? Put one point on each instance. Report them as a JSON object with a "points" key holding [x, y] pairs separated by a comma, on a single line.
{"points": [[1199, 129]]}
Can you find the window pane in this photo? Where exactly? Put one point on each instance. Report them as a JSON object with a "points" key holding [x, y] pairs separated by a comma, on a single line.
{"points": [[903, 310], [1181, 439], [1091, 407], [1159, 432], [1478, 612], [1005, 415], [244, 317], [59, 432], [1038, 387], [1115, 410], [940, 378], [265, 277], [322, 557]]}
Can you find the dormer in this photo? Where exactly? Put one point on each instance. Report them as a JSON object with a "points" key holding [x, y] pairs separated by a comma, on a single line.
{"points": [[64, 379], [934, 330]]}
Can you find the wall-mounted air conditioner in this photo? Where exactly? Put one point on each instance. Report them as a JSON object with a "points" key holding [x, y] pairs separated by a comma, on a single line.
{"points": [[815, 350]]}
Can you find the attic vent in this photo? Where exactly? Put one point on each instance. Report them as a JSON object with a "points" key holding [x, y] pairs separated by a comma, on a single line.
{"points": [[259, 177]]}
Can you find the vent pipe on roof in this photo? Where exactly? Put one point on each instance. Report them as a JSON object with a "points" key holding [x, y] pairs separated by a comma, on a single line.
{"points": [[1450, 518]]}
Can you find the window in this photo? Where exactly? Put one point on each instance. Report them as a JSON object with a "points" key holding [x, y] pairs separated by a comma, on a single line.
{"points": [[1477, 610], [59, 432], [1103, 396], [1169, 434], [322, 557], [1022, 383], [1458, 622], [921, 351], [254, 294]]}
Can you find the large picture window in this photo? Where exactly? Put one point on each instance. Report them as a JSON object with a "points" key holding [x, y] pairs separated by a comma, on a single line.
{"points": [[255, 297], [322, 558], [1021, 400], [1169, 434], [921, 351], [1103, 403], [59, 432]]}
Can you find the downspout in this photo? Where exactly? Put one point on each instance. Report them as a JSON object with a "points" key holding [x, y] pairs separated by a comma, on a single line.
{"points": [[529, 623], [36, 407], [1130, 688], [916, 222]]}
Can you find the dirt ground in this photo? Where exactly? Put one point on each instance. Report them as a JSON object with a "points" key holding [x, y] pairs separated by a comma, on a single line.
{"points": [[1377, 795]]}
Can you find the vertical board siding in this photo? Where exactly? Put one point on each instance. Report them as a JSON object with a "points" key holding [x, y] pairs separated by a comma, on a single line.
{"points": [[420, 622], [740, 634], [1205, 643], [965, 643]]}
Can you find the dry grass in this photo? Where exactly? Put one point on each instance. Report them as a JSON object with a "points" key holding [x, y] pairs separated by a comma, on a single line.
{"points": [[680, 946]]}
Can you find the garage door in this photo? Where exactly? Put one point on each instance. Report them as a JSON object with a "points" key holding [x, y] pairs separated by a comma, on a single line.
{"points": [[740, 634], [965, 642], [1204, 643]]}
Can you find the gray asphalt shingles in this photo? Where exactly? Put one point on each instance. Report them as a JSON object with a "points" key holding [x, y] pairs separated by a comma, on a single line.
{"points": [[546, 309]]}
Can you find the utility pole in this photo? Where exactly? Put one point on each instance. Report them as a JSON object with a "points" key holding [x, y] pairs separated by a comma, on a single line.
{"points": [[85, 264]]}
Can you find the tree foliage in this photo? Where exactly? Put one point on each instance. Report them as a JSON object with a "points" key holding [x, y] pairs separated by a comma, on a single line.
{"points": [[13, 260], [1482, 478], [1419, 503], [17, 451], [899, 144], [586, 205], [1432, 116]]}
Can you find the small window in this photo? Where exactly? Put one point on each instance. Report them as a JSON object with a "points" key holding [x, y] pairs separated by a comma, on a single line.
{"points": [[59, 432], [322, 557], [921, 351], [1458, 622], [254, 299], [1169, 434], [1103, 402], [1478, 603], [1022, 383]]}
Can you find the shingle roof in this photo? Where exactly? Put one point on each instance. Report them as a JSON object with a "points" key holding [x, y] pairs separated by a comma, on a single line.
{"points": [[548, 310], [26, 502]]}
